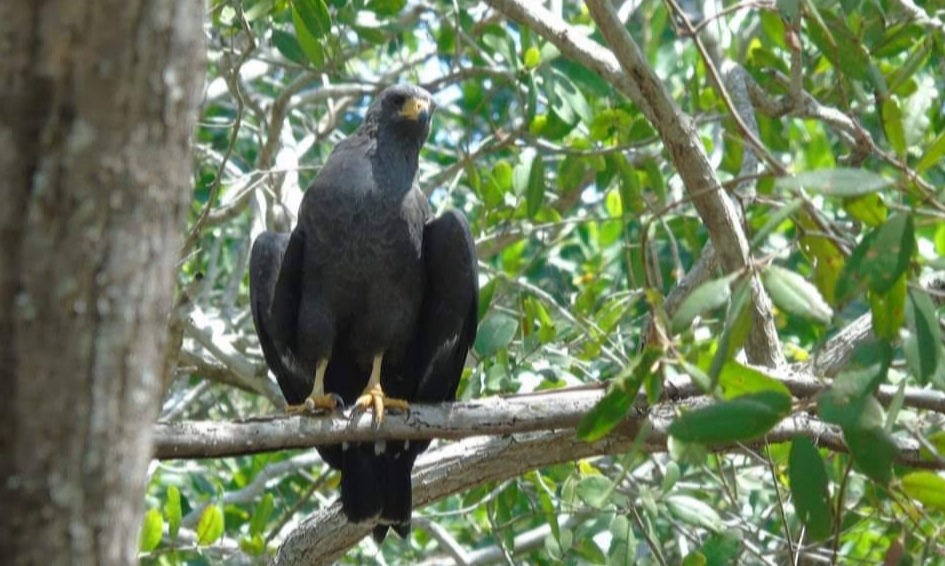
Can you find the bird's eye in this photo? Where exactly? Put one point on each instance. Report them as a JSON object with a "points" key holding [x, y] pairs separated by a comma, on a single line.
{"points": [[398, 99]]}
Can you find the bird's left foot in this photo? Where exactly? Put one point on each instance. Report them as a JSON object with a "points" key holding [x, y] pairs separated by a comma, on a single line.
{"points": [[376, 398]]}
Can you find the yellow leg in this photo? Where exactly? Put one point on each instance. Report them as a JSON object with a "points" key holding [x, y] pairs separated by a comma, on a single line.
{"points": [[373, 395], [318, 399]]}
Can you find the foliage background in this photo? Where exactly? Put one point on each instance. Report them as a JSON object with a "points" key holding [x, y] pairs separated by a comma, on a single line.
{"points": [[577, 211]]}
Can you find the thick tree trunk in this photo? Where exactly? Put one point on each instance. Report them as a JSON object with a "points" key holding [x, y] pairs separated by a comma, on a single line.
{"points": [[98, 103]]}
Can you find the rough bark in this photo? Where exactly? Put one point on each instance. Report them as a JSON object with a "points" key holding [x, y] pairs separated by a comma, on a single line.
{"points": [[98, 103]]}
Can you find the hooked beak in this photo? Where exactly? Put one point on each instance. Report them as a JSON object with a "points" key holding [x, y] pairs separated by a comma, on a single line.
{"points": [[418, 109]]}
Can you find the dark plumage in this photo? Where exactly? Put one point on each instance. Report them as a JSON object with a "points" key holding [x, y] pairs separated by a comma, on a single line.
{"points": [[369, 286]]}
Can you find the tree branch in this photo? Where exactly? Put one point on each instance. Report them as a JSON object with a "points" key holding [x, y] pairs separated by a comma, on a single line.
{"points": [[631, 74], [559, 410]]}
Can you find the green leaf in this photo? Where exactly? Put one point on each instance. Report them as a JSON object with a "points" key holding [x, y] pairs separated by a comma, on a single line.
{"points": [[595, 490], [881, 258], [309, 44], [495, 333], [849, 401], [923, 347], [928, 488], [809, 488], [622, 543], [796, 295], [532, 57], [386, 8], [314, 15], [605, 415], [288, 45], [257, 524], [737, 380], [868, 209], [873, 452], [937, 441], [933, 155], [152, 529], [839, 46], [567, 101], [210, 525], [775, 220], [695, 559], [522, 172], [172, 509], [839, 182], [535, 192], [254, 545], [704, 298], [893, 250], [743, 418], [737, 326], [691, 510], [721, 549], [486, 292], [895, 405], [892, 124], [889, 310], [370, 34]]}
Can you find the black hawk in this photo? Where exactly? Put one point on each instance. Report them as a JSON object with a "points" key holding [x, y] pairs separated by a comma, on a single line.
{"points": [[370, 301]]}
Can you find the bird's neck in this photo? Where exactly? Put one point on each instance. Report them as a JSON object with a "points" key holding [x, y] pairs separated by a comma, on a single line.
{"points": [[397, 161]]}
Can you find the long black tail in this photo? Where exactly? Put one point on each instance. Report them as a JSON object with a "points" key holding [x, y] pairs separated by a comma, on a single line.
{"points": [[376, 485]]}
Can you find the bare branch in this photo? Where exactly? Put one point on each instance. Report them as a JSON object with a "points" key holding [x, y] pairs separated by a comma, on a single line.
{"points": [[553, 410]]}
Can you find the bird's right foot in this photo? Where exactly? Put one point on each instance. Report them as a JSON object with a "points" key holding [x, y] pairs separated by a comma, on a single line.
{"points": [[327, 403]]}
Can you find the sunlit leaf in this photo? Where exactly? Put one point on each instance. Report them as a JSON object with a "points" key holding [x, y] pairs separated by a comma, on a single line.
{"points": [[868, 209], [172, 509], [928, 488], [210, 525], [152, 529], [737, 380], [889, 310], [532, 57]]}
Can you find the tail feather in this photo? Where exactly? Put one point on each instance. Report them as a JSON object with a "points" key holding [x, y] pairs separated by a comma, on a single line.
{"points": [[361, 493], [398, 493], [376, 485]]}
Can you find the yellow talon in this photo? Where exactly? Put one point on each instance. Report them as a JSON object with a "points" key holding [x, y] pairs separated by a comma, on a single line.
{"points": [[324, 402], [318, 399], [373, 395]]}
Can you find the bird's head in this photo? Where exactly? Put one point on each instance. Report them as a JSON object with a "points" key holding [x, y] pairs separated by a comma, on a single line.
{"points": [[403, 112]]}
